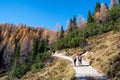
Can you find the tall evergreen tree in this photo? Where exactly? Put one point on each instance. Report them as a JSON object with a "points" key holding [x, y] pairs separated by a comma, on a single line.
{"points": [[17, 54], [61, 32], [0, 36], [90, 17], [118, 2], [46, 43], [97, 7], [0, 39], [35, 49], [106, 6], [70, 27], [17, 51], [41, 46], [74, 22]]}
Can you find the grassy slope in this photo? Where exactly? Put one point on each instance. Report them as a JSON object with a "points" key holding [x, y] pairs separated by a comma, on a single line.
{"points": [[104, 55], [105, 52], [59, 69]]}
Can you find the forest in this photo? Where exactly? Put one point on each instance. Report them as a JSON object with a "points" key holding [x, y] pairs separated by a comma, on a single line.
{"points": [[24, 48]]}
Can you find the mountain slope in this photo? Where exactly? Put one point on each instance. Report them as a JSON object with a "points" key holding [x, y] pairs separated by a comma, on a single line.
{"points": [[12, 37], [55, 69], [105, 53], [85, 71]]}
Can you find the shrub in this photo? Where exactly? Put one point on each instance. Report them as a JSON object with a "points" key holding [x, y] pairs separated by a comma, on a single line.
{"points": [[21, 70], [114, 71], [37, 66]]}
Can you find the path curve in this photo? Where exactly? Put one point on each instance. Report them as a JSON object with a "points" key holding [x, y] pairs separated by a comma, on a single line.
{"points": [[84, 72]]}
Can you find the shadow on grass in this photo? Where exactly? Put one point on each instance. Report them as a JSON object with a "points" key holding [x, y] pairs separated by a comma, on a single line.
{"points": [[74, 78], [86, 78], [83, 66]]}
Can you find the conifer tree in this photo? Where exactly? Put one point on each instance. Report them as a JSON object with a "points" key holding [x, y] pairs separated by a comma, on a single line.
{"points": [[118, 2], [46, 43], [74, 22], [97, 7], [35, 49], [70, 27], [90, 17], [17, 52], [41, 46], [106, 6], [61, 32]]}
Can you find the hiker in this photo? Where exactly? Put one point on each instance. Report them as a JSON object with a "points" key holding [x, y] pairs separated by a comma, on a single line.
{"points": [[53, 52], [80, 59], [75, 59]]}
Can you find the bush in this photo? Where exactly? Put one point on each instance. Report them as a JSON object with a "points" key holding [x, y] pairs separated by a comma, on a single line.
{"points": [[114, 13], [37, 66], [114, 71], [21, 70]]}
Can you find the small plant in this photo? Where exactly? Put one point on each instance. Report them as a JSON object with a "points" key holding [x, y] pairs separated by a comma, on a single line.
{"points": [[21, 70], [36, 67]]}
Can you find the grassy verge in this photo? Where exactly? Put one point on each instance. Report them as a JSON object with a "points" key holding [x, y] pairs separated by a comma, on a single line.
{"points": [[55, 69], [105, 55]]}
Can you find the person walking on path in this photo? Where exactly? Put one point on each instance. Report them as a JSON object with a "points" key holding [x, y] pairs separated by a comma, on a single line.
{"points": [[75, 59], [80, 59], [53, 52]]}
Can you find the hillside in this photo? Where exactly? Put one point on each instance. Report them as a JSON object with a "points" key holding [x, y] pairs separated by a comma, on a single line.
{"points": [[104, 53], [17, 41], [25, 51], [55, 69], [100, 36]]}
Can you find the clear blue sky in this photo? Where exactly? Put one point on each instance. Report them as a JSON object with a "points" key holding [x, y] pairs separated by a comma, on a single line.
{"points": [[44, 12]]}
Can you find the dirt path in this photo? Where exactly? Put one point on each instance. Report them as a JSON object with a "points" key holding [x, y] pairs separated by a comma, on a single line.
{"points": [[84, 72]]}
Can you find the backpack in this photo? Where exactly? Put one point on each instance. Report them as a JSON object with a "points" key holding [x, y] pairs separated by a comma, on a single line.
{"points": [[74, 57], [79, 57]]}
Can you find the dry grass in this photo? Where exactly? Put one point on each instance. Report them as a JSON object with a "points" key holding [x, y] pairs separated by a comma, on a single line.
{"points": [[104, 52], [4, 78], [103, 48], [59, 69], [72, 51]]}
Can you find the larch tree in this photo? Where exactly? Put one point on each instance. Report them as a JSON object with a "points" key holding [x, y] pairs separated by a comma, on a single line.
{"points": [[81, 21], [113, 3], [103, 12], [97, 17], [57, 29]]}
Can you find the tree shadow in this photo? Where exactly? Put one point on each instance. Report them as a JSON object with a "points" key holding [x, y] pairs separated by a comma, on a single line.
{"points": [[82, 65], [86, 78], [74, 78], [93, 78], [83, 78]]}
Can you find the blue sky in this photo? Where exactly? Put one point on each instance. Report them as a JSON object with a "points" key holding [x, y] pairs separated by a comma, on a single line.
{"points": [[45, 13]]}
